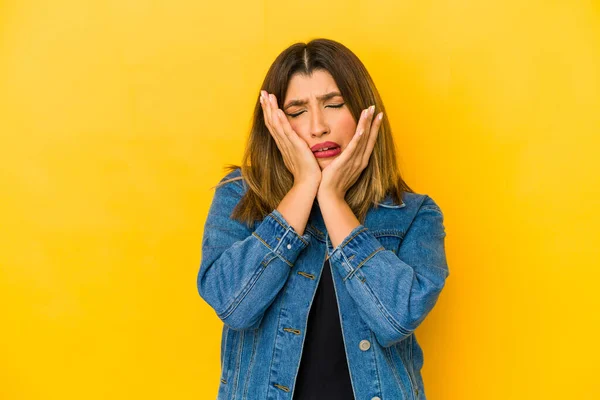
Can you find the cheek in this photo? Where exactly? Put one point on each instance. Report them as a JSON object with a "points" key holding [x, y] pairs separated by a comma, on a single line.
{"points": [[299, 128], [346, 127], [295, 125]]}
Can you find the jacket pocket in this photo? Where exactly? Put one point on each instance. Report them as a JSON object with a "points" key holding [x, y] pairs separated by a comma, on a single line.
{"points": [[389, 238]]}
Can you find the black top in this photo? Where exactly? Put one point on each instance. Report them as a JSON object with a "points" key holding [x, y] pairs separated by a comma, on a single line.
{"points": [[323, 372]]}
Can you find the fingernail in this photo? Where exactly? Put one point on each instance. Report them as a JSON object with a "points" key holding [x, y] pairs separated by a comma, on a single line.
{"points": [[371, 109], [380, 116]]}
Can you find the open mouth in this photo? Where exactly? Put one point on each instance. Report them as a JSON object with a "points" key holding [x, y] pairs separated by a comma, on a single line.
{"points": [[327, 152]]}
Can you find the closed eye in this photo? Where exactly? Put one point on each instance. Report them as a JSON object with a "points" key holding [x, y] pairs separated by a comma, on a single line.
{"points": [[330, 105]]}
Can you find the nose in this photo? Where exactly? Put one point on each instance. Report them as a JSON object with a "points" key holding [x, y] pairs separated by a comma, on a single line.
{"points": [[318, 125]]}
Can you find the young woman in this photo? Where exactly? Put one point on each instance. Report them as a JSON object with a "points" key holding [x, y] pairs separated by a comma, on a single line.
{"points": [[316, 255]]}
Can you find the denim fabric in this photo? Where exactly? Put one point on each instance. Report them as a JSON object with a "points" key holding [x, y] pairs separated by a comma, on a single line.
{"points": [[260, 280]]}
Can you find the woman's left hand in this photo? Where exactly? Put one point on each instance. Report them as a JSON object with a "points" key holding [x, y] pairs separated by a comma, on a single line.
{"points": [[342, 173]]}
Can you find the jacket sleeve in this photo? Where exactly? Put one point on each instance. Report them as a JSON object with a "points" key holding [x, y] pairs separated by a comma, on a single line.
{"points": [[394, 293], [241, 271]]}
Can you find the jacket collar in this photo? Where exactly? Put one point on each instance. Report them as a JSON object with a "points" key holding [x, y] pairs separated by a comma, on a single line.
{"points": [[389, 201]]}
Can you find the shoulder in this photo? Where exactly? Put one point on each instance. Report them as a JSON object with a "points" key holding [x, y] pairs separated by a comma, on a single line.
{"points": [[233, 181], [418, 201], [417, 206]]}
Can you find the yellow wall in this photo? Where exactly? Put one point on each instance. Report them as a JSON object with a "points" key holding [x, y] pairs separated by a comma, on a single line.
{"points": [[117, 116]]}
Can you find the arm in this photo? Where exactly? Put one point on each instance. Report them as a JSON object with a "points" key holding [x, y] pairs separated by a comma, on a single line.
{"points": [[242, 271], [394, 293]]}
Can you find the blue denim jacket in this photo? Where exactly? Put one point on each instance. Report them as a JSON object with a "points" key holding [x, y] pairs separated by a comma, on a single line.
{"points": [[387, 273]]}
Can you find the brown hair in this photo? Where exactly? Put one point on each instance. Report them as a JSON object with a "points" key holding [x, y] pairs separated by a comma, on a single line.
{"points": [[263, 169]]}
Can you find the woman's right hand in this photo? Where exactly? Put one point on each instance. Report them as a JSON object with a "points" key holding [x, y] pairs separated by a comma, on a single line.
{"points": [[297, 156]]}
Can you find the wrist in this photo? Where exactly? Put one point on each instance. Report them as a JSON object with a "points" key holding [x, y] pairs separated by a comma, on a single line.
{"points": [[310, 186], [329, 195]]}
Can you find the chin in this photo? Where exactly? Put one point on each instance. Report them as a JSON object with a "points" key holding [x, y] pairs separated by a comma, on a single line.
{"points": [[323, 164]]}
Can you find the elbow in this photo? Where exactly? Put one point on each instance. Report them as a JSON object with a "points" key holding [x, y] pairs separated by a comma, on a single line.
{"points": [[207, 290], [393, 330], [234, 318]]}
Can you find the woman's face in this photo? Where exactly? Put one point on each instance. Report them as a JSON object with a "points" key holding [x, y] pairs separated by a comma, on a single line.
{"points": [[317, 113]]}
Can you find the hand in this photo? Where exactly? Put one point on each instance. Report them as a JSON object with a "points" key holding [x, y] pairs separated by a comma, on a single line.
{"points": [[297, 156], [342, 172]]}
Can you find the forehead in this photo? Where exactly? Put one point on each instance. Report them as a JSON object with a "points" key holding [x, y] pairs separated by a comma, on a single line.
{"points": [[302, 86]]}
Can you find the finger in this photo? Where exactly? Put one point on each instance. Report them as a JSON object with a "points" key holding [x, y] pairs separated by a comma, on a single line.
{"points": [[268, 122], [364, 133], [288, 130], [276, 121], [372, 138], [278, 118], [282, 125], [360, 135], [352, 146], [274, 114], [265, 106], [268, 108]]}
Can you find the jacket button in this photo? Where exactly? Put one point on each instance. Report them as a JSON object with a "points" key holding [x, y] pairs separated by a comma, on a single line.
{"points": [[375, 398], [289, 246], [364, 345]]}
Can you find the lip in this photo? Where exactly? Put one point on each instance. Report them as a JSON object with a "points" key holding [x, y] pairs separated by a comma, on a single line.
{"points": [[324, 144], [328, 153]]}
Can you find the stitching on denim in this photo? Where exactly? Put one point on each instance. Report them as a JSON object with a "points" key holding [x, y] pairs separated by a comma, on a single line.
{"points": [[274, 343], [279, 243], [265, 264], [311, 276], [281, 387], [284, 260], [412, 365], [377, 250], [225, 362], [387, 232], [304, 337], [345, 242], [353, 236], [287, 228], [238, 360], [403, 361], [259, 238], [278, 255], [399, 328], [237, 300], [343, 335], [349, 274], [251, 364], [388, 358], [373, 340]]}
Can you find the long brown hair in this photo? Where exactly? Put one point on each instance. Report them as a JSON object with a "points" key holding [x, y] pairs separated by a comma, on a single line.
{"points": [[263, 169]]}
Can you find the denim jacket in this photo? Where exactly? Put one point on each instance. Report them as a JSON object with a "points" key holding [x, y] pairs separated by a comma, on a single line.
{"points": [[260, 280]]}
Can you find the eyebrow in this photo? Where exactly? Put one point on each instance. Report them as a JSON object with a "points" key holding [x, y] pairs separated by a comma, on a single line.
{"points": [[324, 97]]}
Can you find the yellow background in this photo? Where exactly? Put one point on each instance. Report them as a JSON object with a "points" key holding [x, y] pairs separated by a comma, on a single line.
{"points": [[116, 117]]}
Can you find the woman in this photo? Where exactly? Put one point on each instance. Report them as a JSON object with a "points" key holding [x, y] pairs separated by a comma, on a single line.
{"points": [[318, 258]]}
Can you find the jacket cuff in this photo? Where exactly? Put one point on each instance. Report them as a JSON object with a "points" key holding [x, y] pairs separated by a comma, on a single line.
{"points": [[355, 250], [281, 238]]}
